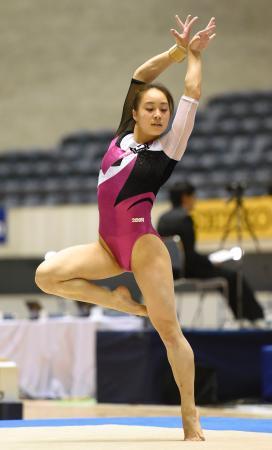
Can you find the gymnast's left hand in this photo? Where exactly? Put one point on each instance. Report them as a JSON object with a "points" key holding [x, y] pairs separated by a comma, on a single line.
{"points": [[183, 38]]}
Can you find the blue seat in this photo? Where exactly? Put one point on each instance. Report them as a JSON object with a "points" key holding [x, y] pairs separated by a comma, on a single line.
{"points": [[218, 178], [228, 126], [11, 185], [262, 175], [240, 143], [55, 198], [51, 185], [239, 109], [12, 200], [23, 169], [262, 108], [6, 169]]}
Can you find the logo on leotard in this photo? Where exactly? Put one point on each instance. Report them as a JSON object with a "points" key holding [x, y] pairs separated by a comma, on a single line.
{"points": [[137, 219], [139, 148]]}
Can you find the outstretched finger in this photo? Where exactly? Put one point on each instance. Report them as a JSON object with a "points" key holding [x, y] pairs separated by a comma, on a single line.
{"points": [[175, 33], [211, 22], [187, 20], [212, 36], [192, 21], [208, 30], [179, 22]]}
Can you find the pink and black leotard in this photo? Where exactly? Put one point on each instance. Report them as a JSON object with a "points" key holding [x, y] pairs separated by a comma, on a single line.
{"points": [[131, 174]]}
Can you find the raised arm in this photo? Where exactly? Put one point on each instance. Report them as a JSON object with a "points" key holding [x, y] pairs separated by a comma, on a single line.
{"points": [[198, 43], [152, 68], [175, 141]]}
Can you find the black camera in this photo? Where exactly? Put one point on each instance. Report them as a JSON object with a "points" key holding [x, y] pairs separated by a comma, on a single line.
{"points": [[236, 188]]}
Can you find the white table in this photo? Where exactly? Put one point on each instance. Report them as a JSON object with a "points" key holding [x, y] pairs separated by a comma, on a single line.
{"points": [[57, 357]]}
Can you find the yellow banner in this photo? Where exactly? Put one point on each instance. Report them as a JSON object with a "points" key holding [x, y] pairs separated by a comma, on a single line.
{"points": [[216, 217]]}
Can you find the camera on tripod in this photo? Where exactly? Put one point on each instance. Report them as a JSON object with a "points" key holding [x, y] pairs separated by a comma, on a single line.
{"points": [[236, 188]]}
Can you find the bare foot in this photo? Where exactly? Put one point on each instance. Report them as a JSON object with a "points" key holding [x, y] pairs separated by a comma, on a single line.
{"points": [[191, 426], [125, 301]]}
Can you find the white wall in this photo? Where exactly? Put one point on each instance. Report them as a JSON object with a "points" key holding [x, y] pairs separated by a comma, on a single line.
{"points": [[66, 65], [34, 231]]}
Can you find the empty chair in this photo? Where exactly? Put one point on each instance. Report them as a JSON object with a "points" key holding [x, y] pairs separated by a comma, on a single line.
{"points": [[198, 179], [207, 162], [11, 200], [81, 197], [43, 168], [51, 184], [89, 184], [255, 190], [252, 159], [62, 167], [196, 145], [218, 178], [31, 185], [228, 126], [261, 108], [85, 166], [55, 198], [240, 175], [251, 125], [266, 159], [267, 122], [189, 161], [262, 176], [6, 169], [207, 192], [182, 284], [240, 143], [33, 199], [40, 155], [238, 109], [23, 169], [260, 142], [69, 151], [217, 111], [15, 156], [205, 127], [230, 159], [11, 185], [72, 184], [95, 150], [219, 143]]}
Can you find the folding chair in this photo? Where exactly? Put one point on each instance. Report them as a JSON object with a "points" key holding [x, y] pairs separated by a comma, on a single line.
{"points": [[182, 284]]}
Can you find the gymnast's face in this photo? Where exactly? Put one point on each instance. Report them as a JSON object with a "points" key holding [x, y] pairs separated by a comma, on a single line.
{"points": [[152, 115]]}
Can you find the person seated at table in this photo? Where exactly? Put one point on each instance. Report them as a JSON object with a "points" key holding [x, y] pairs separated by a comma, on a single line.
{"points": [[178, 221]]}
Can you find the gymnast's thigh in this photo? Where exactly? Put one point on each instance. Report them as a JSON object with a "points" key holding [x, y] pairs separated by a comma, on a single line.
{"points": [[89, 261], [152, 269]]}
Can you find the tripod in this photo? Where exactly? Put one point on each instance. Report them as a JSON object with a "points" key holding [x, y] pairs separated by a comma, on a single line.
{"points": [[239, 213]]}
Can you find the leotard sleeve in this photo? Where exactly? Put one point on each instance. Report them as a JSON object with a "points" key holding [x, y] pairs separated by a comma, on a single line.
{"points": [[127, 122], [175, 141]]}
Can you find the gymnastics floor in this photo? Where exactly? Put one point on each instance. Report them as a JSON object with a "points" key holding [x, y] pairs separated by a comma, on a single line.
{"points": [[135, 432]]}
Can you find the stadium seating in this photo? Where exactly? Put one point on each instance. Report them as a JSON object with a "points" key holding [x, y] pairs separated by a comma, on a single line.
{"points": [[231, 142]]}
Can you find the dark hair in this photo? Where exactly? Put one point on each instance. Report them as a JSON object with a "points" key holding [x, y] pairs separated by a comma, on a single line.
{"points": [[139, 95], [178, 189]]}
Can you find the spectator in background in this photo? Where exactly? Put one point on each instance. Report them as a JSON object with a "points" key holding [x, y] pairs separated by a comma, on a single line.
{"points": [[178, 221]]}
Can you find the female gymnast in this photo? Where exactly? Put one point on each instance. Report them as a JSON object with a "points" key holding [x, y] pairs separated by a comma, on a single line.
{"points": [[138, 161]]}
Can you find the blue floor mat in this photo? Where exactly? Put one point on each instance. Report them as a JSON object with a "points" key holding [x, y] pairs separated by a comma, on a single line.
{"points": [[208, 423]]}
